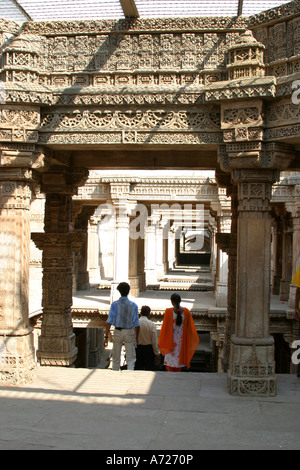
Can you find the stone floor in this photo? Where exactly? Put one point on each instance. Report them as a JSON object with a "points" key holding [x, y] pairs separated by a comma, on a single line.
{"points": [[160, 299], [101, 409], [84, 409], [154, 298]]}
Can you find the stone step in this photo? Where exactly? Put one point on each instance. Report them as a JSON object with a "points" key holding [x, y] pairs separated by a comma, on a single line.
{"points": [[203, 287]]}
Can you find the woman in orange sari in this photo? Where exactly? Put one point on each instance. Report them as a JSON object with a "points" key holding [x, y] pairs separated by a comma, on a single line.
{"points": [[178, 339]]}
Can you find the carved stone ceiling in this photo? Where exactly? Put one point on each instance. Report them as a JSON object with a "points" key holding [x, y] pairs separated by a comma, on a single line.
{"points": [[54, 10]]}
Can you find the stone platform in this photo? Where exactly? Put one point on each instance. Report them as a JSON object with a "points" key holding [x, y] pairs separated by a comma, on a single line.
{"points": [[84, 409]]}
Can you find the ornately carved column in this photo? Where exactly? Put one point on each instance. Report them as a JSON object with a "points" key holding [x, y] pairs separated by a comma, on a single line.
{"points": [[254, 166], [17, 363], [58, 242], [252, 367]]}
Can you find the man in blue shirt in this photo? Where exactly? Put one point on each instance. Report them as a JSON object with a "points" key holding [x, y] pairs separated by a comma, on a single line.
{"points": [[124, 316]]}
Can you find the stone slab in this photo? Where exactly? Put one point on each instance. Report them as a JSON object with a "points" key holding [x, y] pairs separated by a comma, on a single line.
{"points": [[87, 409]]}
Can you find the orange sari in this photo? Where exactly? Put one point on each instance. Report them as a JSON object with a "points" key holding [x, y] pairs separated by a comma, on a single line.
{"points": [[190, 339]]}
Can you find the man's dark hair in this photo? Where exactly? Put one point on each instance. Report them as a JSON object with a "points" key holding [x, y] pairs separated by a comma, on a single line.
{"points": [[124, 289], [145, 311]]}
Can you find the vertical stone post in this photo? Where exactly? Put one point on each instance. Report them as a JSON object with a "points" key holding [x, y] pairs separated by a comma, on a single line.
{"points": [[252, 367], [254, 166], [141, 263], [121, 251], [212, 228], [150, 252], [295, 211], [277, 254], [171, 248], [133, 267], [287, 274], [83, 282], [223, 210], [159, 233], [232, 272], [59, 242], [93, 250], [227, 242], [17, 364]]}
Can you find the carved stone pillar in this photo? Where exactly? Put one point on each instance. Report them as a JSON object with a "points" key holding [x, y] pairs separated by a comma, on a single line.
{"points": [[121, 250], [287, 247], [171, 248], [59, 242], [252, 367], [133, 267], [81, 226], [17, 364], [277, 254], [150, 253], [95, 341], [212, 229], [254, 166], [141, 264], [223, 210], [17, 177], [93, 250], [295, 211], [159, 250], [227, 242]]}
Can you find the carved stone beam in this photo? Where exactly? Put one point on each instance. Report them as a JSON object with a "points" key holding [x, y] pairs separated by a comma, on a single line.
{"points": [[129, 8], [240, 7]]}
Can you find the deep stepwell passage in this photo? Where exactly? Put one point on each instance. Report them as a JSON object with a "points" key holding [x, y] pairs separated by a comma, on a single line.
{"points": [[102, 409]]}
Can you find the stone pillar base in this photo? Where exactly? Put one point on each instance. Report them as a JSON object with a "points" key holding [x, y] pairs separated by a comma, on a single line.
{"points": [[276, 285], [151, 277], [114, 293], [221, 295], [17, 365], [83, 281], [60, 352], [134, 286], [284, 291], [252, 387], [252, 367]]}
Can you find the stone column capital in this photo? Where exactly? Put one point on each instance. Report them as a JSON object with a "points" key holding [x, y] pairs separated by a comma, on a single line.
{"points": [[254, 175], [227, 242], [255, 190], [24, 156], [119, 190], [63, 180], [56, 242]]}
